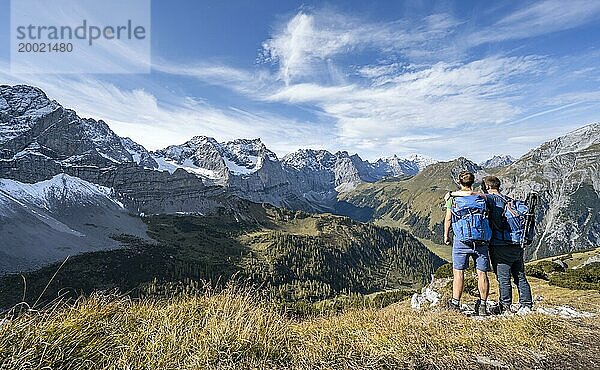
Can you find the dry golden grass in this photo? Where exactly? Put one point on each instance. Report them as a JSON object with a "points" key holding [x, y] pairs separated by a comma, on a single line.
{"points": [[235, 329]]}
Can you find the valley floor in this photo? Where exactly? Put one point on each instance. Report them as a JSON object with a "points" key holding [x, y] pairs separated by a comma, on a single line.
{"points": [[234, 329]]}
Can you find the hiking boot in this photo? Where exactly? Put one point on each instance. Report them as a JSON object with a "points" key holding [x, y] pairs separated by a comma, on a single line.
{"points": [[481, 308], [494, 308], [506, 308], [524, 310], [452, 305]]}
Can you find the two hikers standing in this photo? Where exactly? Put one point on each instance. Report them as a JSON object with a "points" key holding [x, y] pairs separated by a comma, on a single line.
{"points": [[487, 227]]}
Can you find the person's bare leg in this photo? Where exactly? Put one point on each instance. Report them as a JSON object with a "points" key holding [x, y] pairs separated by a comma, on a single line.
{"points": [[457, 283], [483, 283]]}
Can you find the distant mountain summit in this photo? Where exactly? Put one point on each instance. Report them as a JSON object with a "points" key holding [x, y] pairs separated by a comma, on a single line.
{"points": [[498, 161], [213, 161], [396, 166], [39, 138]]}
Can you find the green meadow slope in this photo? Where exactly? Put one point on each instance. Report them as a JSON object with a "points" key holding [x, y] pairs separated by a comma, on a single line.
{"points": [[293, 255]]}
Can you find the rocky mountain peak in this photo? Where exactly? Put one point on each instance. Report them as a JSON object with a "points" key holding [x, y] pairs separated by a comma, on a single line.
{"points": [[139, 154], [20, 107], [22, 100], [571, 142], [498, 161], [201, 140]]}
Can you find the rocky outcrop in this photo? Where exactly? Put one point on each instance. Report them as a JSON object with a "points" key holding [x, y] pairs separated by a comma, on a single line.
{"points": [[139, 154]]}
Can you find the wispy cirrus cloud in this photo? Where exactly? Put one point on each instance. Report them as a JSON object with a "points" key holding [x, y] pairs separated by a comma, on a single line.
{"points": [[409, 93], [539, 18], [439, 96]]}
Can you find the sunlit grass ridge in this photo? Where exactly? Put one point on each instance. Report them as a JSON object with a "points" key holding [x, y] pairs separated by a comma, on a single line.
{"points": [[235, 328]]}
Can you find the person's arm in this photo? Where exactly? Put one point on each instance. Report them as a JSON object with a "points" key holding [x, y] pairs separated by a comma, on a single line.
{"points": [[447, 225], [460, 193], [463, 193]]}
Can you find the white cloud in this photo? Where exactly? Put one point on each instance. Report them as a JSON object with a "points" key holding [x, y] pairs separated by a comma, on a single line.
{"points": [[415, 90], [540, 18], [308, 40], [442, 95]]}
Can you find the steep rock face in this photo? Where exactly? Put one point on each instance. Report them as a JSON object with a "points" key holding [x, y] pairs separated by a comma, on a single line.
{"points": [[306, 179], [201, 155], [20, 108], [322, 174], [139, 154], [244, 167], [41, 139], [396, 167], [38, 136], [565, 172]]}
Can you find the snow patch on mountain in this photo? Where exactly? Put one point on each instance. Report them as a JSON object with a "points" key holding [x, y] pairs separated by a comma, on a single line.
{"points": [[164, 164], [250, 166], [62, 187], [206, 157], [498, 161], [421, 161], [139, 154], [398, 166]]}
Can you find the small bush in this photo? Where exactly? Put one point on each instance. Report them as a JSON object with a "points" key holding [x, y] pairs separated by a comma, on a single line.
{"points": [[535, 271], [583, 278], [543, 269], [550, 267]]}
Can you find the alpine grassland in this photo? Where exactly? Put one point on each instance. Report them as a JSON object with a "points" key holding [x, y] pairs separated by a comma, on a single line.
{"points": [[240, 328]]}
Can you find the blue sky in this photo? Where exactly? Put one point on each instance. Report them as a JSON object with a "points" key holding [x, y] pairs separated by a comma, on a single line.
{"points": [[377, 78]]}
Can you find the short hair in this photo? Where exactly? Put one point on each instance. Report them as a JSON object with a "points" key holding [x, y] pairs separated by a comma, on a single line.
{"points": [[492, 182], [466, 178]]}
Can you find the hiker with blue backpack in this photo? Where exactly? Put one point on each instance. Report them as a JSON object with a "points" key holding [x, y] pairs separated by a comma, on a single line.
{"points": [[511, 222], [467, 215], [506, 252]]}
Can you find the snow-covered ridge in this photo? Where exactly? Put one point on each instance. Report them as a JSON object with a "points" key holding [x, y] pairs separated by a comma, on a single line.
{"points": [[61, 188], [498, 161], [206, 157]]}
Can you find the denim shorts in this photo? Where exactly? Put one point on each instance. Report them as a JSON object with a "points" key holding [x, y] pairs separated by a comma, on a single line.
{"points": [[461, 253]]}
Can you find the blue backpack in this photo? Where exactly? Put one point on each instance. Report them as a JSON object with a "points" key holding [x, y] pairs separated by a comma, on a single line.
{"points": [[470, 221], [513, 221]]}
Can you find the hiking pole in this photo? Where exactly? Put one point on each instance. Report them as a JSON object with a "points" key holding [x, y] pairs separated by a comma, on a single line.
{"points": [[531, 202]]}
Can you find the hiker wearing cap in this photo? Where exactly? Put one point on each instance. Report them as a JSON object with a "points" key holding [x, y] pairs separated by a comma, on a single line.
{"points": [[467, 216]]}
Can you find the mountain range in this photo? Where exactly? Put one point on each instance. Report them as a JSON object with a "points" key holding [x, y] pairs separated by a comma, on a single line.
{"points": [[59, 169]]}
